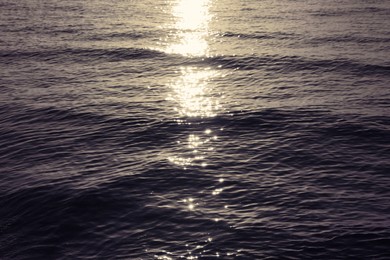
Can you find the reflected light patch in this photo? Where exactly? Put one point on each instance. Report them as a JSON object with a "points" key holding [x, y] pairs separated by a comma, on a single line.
{"points": [[192, 15], [164, 257], [185, 162], [190, 45], [191, 22], [195, 144], [190, 203], [192, 93], [217, 191]]}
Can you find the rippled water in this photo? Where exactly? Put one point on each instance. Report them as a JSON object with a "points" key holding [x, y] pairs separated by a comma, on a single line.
{"points": [[202, 129]]}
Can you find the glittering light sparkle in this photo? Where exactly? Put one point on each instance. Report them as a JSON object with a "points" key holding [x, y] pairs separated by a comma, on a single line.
{"points": [[191, 20], [193, 94]]}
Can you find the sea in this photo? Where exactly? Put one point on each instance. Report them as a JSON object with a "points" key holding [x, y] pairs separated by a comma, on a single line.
{"points": [[194, 129]]}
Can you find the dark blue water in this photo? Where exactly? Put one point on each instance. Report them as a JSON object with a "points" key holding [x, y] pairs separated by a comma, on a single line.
{"points": [[213, 129]]}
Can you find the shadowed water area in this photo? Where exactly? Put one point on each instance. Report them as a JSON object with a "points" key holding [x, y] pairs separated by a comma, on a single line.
{"points": [[209, 129]]}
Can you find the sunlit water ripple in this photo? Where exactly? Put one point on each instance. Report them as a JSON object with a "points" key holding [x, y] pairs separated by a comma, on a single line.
{"points": [[210, 129]]}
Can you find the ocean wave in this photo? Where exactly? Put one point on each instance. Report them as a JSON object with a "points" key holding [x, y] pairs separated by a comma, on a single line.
{"points": [[268, 203], [83, 55], [316, 121], [351, 11], [290, 64], [280, 64], [260, 35], [347, 39], [131, 35]]}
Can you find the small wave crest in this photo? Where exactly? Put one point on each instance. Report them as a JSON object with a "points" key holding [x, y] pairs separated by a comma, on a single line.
{"points": [[113, 36], [289, 64], [82, 55]]}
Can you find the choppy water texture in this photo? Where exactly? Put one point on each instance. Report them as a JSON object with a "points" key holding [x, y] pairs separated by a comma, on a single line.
{"points": [[194, 129]]}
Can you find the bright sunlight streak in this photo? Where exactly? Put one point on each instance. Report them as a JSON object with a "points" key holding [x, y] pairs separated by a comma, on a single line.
{"points": [[192, 93], [191, 26]]}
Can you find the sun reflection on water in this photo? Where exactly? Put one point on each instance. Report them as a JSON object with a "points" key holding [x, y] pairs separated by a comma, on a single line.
{"points": [[194, 100], [193, 93], [197, 148], [191, 19]]}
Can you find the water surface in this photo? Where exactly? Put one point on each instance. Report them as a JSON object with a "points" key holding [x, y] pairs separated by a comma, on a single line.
{"points": [[210, 129]]}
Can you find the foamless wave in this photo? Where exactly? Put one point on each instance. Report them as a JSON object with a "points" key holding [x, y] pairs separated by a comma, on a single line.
{"points": [[347, 39], [260, 35], [132, 35], [280, 64], [289, 64], [80, 55], [329, 12]]}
